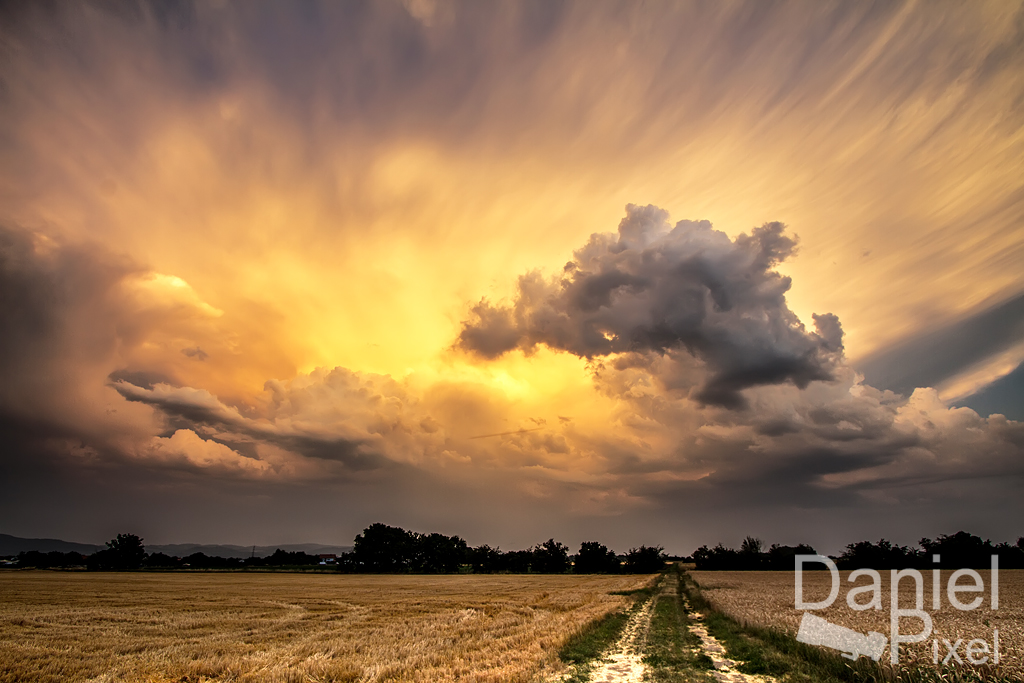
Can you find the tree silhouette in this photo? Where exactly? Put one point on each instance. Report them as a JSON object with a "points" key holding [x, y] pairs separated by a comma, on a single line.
{"points": [[517, 561], [383, 548], [40, 560], [439, 554], [644, 560], [751, 545], [880, 555], [122, 553], [550, 557], [959, 550], [783, 557], [595, 558], [486, 560]]}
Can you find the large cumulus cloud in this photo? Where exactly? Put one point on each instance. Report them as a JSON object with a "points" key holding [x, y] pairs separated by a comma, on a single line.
{"points": [[723, 397], [654, 287]]}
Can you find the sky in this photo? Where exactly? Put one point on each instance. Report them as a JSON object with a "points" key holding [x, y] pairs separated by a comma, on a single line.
{"points": [[644, 273]]}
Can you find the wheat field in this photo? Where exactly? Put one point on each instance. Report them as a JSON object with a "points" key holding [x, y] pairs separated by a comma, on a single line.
{"points": [[71, 626], [767, 599]]}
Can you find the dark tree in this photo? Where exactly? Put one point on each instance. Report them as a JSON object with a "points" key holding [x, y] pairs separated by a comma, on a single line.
{"points": [[383, 548], [881, 555], [485, 559], [961, 550], [517, 561], [128, 550], [125, 552], [200, 560], [783, 557], [751, 555], [1010, 556], [55, 558], [645, 560], [751, 546], [284, 558], [550, 557], [346, 563], [720, 558], [162, 561], [595, 558], [439, 554]]}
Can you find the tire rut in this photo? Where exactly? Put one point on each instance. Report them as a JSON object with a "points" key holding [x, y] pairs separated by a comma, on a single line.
{"points": [[623, 663], [725, 668]]}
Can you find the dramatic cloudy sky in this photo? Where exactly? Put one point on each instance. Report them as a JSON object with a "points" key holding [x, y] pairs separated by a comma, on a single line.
{"points": [[633, 272]]}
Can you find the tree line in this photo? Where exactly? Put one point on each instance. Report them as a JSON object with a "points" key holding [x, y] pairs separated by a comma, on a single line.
{"points": [[386, 549], [379, 549], [959, 550], [127, 552]]}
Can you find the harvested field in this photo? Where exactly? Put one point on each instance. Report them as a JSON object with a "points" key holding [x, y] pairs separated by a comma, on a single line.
{"points": [[66, 626], [766, 599]]}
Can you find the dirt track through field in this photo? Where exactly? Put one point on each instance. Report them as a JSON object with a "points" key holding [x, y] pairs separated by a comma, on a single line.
{"points": [[623, 663]]}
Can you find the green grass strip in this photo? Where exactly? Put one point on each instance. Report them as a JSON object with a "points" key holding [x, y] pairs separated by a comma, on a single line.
{"points": [[672, 652], [594, 638]]}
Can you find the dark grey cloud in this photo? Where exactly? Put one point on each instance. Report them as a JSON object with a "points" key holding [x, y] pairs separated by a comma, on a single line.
{"points": [[191, 409], [830, 449], [60, 314], [927, 358], [140, 378], [196, 352], [1005, 396], [362, 421], [653, 288]]}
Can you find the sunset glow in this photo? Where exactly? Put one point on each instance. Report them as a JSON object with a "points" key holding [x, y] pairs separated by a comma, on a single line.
{"points": [[269, 271]]}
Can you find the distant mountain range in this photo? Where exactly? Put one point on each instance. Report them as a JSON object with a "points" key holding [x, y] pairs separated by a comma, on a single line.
{"points": [[12, 545], [185, 549]]}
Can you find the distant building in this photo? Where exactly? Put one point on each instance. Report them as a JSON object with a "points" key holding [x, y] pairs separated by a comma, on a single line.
{"points": [[328, 558]]}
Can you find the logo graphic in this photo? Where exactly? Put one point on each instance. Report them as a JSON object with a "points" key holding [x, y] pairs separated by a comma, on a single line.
{"points": [[817, 631]]}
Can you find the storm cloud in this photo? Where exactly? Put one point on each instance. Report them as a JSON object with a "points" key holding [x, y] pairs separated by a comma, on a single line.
{"points": [[362, 421], [654, 287], [725, 397]]}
